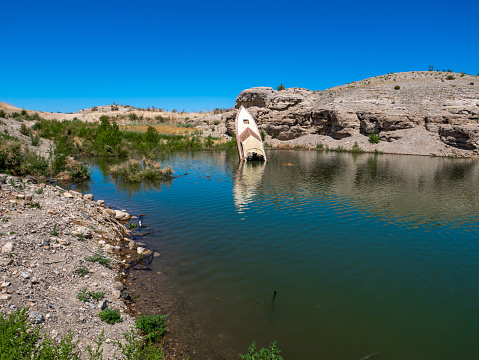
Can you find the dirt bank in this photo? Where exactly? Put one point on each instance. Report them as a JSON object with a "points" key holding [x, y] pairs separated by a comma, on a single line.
{"points": [[46, 236]]}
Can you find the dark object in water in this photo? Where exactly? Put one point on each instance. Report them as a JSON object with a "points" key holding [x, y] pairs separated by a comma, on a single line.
{"points": [[255, 157], [50, 181], [274, 296]]}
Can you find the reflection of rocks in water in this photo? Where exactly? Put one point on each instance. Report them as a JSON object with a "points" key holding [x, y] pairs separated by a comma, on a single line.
{"points": [[409, 189]]}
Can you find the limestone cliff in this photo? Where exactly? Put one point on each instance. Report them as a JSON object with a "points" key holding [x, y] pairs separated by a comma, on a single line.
{"points": [[444, 104]]}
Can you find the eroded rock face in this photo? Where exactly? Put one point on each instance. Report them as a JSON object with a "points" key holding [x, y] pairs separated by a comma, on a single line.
{"points": [[461, 136], [451, 112], [253, 97]]}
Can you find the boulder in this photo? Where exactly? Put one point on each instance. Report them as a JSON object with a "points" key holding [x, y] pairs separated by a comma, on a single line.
{"points": [[344, 124], [108, 213], [122, 215], [76, 194], [253, 97], [88, 197], [36, 317], [144, 251]]}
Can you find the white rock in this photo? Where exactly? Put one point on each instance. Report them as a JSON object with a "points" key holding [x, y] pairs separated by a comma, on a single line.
{"points": [[87, 234], [132, 245], [108, 247], [88, 197], [7, 248], [143, 251], [102, 305], [121, 215], [76, 193], [68, 195], [5, 296]]}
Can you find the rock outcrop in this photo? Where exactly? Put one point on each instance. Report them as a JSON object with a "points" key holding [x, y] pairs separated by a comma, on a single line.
{"points": [[385, 105]]}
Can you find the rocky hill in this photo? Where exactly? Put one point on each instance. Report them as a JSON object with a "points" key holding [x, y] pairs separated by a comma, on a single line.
{"points": [[425, 113]]}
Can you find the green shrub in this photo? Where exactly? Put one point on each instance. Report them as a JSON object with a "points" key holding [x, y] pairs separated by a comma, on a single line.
{"points": [[374, 138], [16, 160], [3, 114], [183, 125], [136, 171], [110, 316], [35, 205], [85, 295], [24, 130], [100, 258], [397, 87], [34, 140], [271, 353], [263, 134], [152, 136], [280, 87], [82, 270], [450, 77], [54, 231], [134, 348], [356, 148], [19, 340], [152, 326], [208, 142]]}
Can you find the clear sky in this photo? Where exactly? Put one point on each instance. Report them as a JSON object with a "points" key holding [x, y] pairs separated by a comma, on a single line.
{"points": [[198, 55]]}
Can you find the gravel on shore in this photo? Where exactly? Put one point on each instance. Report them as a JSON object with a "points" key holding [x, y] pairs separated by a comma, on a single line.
{"points": [[46, 234]]}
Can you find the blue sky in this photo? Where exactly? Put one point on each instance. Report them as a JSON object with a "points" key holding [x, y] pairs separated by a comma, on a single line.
{"points": [[69, 55]]}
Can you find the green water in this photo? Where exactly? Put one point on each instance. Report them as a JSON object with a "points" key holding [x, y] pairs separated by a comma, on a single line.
{"points": [[368, 254]]}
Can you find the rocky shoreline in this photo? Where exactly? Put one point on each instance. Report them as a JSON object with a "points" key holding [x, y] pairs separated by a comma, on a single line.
{"points": [[46, 235]]}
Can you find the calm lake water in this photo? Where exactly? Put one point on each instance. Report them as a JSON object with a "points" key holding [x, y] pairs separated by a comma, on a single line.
{"points": [[368, 254]]}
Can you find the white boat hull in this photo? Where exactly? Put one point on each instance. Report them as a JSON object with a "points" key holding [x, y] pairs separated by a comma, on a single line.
{"points": [[248, 137]]}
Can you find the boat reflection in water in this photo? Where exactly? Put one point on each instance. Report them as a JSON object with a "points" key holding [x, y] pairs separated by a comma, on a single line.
{"points": [[246, 182]]}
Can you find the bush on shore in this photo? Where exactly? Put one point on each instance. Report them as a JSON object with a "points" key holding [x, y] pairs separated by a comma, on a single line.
{"points": [[136, 171], [18, 160], [19, 340], [374, 138], [271, 353]]}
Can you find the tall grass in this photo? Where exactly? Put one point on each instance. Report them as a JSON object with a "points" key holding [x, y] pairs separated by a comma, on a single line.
{"points": [[136, 171]]}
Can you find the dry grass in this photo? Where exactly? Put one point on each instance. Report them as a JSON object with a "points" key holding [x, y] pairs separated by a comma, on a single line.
{"points": [[137, 171], [166, 129], [5, 106]]}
